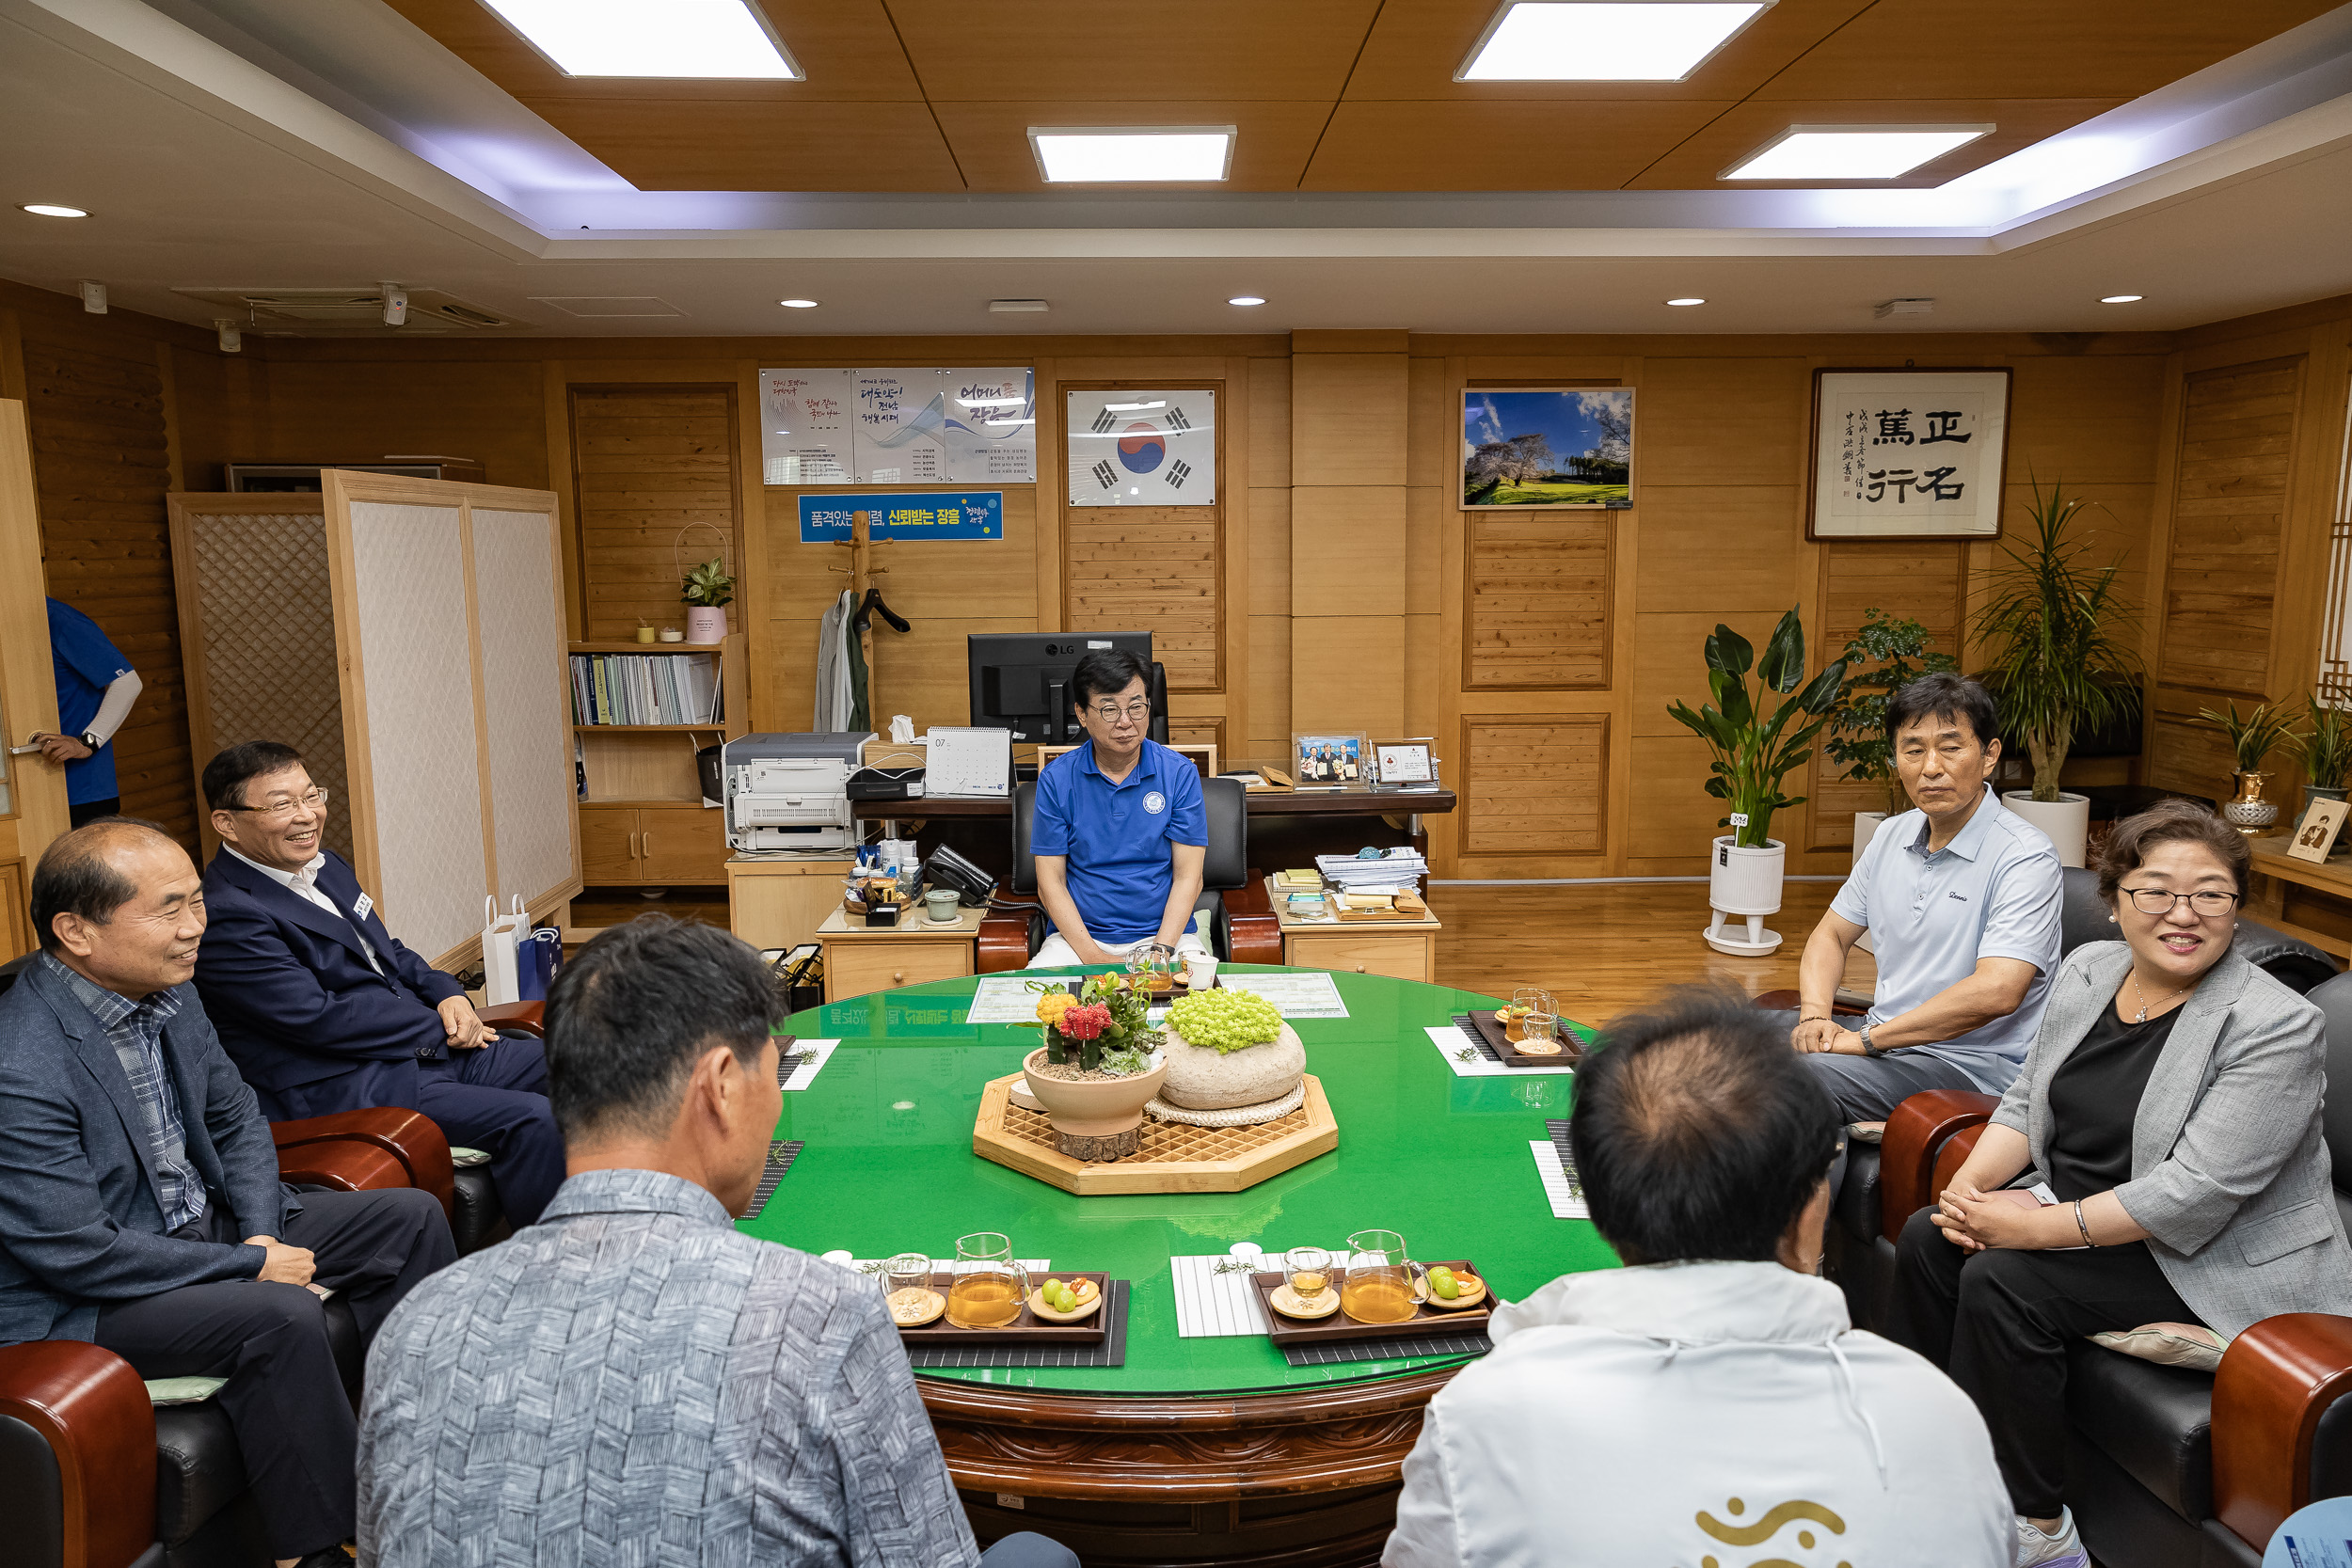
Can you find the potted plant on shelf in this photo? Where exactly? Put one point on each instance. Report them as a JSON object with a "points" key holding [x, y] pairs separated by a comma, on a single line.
{"points": [[2057, 664], [2325, 751], [1230, 1050], [1883, 649], [1753, 750], [1099, 1067], [2252, 737], [708, 589]]}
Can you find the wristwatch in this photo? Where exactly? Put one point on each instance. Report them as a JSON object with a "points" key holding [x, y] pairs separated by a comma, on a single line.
{"points": [[1867, 1049], [90, 740]]}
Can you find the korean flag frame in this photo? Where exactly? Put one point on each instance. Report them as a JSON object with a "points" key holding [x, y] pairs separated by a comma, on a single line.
{"points": [[1158, 447], [1890, 417]]}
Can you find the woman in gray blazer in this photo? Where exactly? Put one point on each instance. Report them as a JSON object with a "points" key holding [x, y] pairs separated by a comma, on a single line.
{"points": [[2159, 1160]]}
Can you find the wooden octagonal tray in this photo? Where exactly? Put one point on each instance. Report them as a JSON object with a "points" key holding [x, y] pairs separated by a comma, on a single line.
{"points": [[1174, 1158]]}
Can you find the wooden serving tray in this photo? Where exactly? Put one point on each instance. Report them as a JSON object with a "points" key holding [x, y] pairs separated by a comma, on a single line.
{"points": [[1490, 1030], [1339, 1327], [1026, 1329]]}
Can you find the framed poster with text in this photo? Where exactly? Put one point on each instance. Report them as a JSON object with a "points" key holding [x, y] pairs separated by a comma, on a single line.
{"points": [[1916, 454]]}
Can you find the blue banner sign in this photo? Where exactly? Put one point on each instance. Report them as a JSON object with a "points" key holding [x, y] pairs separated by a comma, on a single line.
{"points": [[937, 515]]}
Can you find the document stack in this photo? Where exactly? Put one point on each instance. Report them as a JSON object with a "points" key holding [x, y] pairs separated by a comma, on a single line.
{"points": [[1398, 870]]}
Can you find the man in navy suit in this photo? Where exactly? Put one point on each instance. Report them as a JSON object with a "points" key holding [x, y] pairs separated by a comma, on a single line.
{"points": [[324, 1010], [140, 1208]]}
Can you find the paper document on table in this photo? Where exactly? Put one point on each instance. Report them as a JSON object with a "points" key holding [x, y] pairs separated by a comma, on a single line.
{"points": [[1310, 994], [1567, 1196], [1213, 1297], [1037, 1268], [1463, 1055], [1003, 999], [812, 1054]]}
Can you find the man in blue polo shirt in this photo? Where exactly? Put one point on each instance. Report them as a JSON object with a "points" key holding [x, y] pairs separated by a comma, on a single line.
{"points": [[1962, 900], [1120, 832], [96, 687]]}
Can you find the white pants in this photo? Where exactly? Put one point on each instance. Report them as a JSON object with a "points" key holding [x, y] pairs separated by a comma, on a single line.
{"points": [[1057, 953]]}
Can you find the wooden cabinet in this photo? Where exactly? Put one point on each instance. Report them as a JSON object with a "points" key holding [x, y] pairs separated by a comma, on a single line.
{"points": [[661, 844], [780, 903], [862, 959], [1409, 955]]}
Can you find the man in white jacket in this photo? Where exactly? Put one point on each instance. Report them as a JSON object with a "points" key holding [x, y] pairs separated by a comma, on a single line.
{"points": [[1708, 1405]]}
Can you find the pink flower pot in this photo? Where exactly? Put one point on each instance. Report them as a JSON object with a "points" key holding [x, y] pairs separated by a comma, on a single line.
{"points": [[705, 623]]}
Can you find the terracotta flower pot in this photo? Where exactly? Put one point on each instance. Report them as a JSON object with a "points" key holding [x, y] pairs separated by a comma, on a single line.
{"points": [[1200, 1079], [1098, 1109]]}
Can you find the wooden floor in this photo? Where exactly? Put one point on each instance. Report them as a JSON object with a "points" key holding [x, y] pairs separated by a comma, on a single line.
{"points": [[1603, 948]]}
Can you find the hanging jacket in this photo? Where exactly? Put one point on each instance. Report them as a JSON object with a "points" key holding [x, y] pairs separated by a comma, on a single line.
{"points": [[833, 668], [1688, 1414]]}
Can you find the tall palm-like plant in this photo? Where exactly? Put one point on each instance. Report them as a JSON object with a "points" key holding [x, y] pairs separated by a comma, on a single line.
{"points": [[2051, 622], [1754, 750]]}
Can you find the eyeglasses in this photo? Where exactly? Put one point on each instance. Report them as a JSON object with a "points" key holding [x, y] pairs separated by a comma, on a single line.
{"points": [[278, 811], [2157, 900], [1135, 712]]}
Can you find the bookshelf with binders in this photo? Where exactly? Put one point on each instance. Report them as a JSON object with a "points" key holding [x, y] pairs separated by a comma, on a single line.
{"points": [[640, 712]]}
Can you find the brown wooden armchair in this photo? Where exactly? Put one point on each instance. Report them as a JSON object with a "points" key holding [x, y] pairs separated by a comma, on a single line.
{"points": [[92, 1475]]}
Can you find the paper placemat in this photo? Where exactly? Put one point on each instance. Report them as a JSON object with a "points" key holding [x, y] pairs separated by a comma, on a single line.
{"points": [[1555, 1162], [1003, 999], [1214, 1298], [1311, 995], [780, 1156], [1423, 1345], [943, 1265], [1472, 1058], [1112, 1352], [799, 1068]]}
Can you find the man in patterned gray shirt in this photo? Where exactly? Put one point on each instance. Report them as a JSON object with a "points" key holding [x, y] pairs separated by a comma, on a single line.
{"points": [[632, 1380]]}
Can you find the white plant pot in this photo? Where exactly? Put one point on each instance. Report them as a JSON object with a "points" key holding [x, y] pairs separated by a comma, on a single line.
{"points": [[2066, 820], [1744, 882], [705, 623], [1865, 831]]}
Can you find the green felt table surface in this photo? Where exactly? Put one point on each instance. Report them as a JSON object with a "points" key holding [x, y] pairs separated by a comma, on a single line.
{"points": [[1442, 1161]]}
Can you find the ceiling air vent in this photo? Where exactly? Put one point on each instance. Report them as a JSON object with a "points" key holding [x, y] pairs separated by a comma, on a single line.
{"points": [[345, 312]]}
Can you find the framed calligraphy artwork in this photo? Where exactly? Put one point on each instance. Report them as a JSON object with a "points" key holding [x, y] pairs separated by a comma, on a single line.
{"points": [[1908, 454]]}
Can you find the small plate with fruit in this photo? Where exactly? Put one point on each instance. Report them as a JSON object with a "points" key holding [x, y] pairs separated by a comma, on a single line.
{"points": [[1066, 1301], [1451, 1289]]}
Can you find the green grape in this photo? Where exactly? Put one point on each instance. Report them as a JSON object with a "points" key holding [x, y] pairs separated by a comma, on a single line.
{"points": [[1225, 1021]]}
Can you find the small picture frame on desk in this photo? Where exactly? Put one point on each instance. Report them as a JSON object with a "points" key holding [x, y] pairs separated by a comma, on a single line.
{"points": [[1405, 764], [1329, 760], [2315, 835]]}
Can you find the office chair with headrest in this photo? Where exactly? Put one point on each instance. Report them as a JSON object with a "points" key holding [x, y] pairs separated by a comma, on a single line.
{"points": [[1240, 923]]}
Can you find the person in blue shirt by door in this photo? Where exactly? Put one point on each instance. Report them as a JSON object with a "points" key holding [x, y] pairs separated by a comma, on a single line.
{"points": [[1120, 834], [96, 687]]}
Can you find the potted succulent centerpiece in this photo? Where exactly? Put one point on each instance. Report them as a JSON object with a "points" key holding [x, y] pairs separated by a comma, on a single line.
{"points": [[708, 589], [1230, 1050], [1753, 750], [2058, 665], [1883, 650], [1101, 1064], [2252, 737]]}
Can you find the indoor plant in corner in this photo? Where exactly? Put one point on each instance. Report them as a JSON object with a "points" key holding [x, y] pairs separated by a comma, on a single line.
{"points": [[707, 591], [2057, 666], [2325, 749], [1883, 650], [1752, 752], [2251, 738]]}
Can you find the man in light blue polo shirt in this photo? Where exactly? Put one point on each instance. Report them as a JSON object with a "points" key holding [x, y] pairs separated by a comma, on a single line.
{"points": [[1120, 834], [1962, 900]]}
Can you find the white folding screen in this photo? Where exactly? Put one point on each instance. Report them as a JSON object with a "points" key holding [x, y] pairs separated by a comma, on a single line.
{"points": [[526, 700]]}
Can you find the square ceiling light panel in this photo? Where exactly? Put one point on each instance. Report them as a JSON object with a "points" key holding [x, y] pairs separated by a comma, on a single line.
{"points": [[1604, 41], [1850, 151], [651, 38], [1125, 154]]}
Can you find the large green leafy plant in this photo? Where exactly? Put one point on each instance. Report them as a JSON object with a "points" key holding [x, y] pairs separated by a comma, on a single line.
{"points": [[1857, 726], [1754, 749], [2057, 665], [2326, 748]]}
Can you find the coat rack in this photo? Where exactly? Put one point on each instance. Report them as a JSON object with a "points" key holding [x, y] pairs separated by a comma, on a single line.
{"points": [[861, 571]]}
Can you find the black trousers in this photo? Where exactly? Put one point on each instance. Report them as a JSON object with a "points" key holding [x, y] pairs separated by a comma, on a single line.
{"points": [[284, 1396], [2000, 1322], [495, 1100], [90, 811]]}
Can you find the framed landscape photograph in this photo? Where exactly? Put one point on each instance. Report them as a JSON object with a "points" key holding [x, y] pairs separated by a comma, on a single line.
{"points": [[1913, 455], [1547, 446]]}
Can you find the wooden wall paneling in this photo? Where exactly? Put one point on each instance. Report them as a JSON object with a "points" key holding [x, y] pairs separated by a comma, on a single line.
{"points": [[755, 540], [2316, 491], [648, 461], [556, 406], [1264, 689], [1536, 611], [33, 808], [459, 403], [1350, 421], [1534, 785], [102, 464]]}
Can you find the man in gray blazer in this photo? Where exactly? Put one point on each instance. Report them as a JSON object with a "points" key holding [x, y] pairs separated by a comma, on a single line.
{"points": [[139, 1202]]}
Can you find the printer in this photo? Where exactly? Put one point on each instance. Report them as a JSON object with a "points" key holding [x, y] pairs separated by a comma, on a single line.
{"points": [[790, 791]]}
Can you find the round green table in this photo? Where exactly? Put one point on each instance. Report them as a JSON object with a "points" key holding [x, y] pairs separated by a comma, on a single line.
{"points": [[1195, 1450]]}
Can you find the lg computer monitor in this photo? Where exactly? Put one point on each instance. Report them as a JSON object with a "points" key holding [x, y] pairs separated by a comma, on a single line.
{"points": [[1021, 682]]}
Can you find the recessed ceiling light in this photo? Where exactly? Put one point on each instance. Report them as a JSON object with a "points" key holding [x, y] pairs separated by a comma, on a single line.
{"points": [[1850, 151], [1687, 299], [798, 304], [51, 209], [1110, 154], [1245, 299], [1649, 40], [650, 38], [2120, 299]]}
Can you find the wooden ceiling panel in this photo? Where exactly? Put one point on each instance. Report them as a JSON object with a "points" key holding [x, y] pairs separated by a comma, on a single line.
{"points": [[1498, 147], [1271, 141], [847, 48], [1695, 163], [2014, 49], [661, 145], [1417, 46], [1150, 53]]}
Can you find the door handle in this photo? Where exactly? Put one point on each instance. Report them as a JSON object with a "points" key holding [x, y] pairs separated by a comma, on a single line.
{"points": [[633, 846], [648, 838], [898, 977]]}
